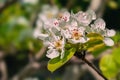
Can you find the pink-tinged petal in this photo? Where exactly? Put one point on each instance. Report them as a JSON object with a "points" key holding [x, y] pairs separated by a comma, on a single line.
{"points": [[110, 33], [52, 53], [83, 18], [92, 13], [66, 33], [83, 40], [74, 23], [100, 24], [108, 41], [66, 16]]}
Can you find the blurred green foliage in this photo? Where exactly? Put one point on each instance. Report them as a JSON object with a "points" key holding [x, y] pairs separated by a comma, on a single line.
{"points": [[110, 64]]}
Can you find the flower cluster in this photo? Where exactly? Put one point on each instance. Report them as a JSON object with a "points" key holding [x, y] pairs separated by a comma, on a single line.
{"points": [[59, 27]]}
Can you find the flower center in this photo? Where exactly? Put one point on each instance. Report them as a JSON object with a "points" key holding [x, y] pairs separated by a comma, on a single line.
{"points": [[49, 15], [76, 34], [58, 44], [60, 15]]}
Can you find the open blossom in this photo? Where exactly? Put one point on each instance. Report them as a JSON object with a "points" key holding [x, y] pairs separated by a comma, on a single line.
{"points": [[59, 27], [64, 16], [48, 12], [85, 18], [56, 48], [75, 35], [52, 23], [99, 24], [99, 27]]}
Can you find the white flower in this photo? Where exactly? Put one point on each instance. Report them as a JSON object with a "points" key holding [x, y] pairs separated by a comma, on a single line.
{"points": [[85, 18], [75, 34], [64, 16], [52, 23], [37, 33], [110, 33], [99, 24], [48, 12], [56, 48], [108, 42]]}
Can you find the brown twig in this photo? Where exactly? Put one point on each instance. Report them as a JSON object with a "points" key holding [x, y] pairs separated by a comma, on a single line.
{"points": [[93, 67], [7, 4], [81, 55]]}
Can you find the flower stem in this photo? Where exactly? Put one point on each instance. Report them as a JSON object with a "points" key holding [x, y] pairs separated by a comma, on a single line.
{"points": [[81, 55], [93, 67]]}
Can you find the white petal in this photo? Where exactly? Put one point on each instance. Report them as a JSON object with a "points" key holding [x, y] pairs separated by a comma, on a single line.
{"points": [[47, 43], [83, 18], [100, 24], [83, 40], [81, 30], [66, 33], [42, 36], [110, 33], [92, 13], [74, 23], [63, 41], [52, 53], [62, 53], [39, 24], [66, 16], [43, 17], [36, 33], [108, 42], [73, 41], [55, 22], [52, 23]]}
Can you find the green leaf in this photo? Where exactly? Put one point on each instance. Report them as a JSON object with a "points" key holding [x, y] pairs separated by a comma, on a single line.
{"points": [[94, 36], [108, 66], [95, 44], [116, 55], [56, 63], [95, 40]]}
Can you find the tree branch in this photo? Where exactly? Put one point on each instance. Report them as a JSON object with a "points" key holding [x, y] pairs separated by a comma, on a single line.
{"points": [[81, 55], [93, 67]]}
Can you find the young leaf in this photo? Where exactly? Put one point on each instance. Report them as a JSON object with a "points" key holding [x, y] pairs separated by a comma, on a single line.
{"points": [[108, 66], [116, 55], [94, 36], [95, 44], [56, 63]]}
